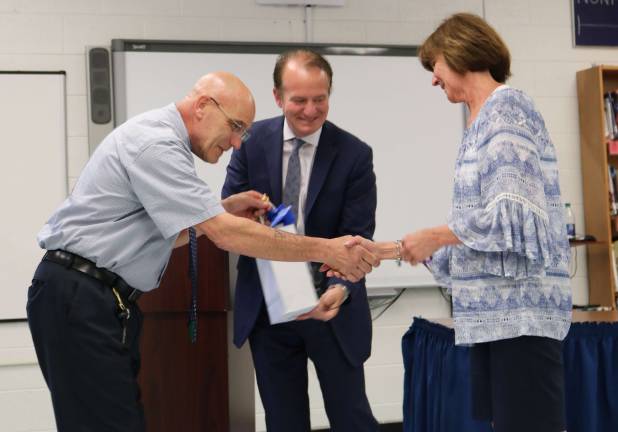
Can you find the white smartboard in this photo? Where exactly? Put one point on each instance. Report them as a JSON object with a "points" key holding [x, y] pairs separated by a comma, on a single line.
{"points": [[33, 178], [380, 94]]}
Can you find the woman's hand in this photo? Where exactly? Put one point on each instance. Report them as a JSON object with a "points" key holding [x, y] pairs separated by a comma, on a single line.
{"points": [[418, 246]]}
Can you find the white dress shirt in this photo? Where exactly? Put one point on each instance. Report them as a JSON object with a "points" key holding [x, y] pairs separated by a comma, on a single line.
{"points": [[306, 155]]}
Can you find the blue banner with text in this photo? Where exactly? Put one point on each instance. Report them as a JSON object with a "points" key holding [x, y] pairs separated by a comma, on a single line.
{"points": [[595, 22]]}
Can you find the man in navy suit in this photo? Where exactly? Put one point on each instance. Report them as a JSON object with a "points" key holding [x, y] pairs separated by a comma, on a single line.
{"points": [[336, 196]]}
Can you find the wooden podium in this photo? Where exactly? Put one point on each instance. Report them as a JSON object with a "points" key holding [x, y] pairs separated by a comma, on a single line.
{"points": [[185, 386]]}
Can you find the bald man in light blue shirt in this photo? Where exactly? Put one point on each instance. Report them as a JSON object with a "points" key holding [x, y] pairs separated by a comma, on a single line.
{"points": [[112, 237]]}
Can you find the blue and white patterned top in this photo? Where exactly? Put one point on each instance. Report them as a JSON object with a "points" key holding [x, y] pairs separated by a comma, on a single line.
{"points": [[509, 277]]}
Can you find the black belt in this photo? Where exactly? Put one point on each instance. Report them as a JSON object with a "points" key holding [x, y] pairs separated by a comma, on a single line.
{"points": [[111, 279]]}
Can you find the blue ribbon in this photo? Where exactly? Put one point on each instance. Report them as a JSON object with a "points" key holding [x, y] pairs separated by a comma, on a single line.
{"points": [[281, 215]]}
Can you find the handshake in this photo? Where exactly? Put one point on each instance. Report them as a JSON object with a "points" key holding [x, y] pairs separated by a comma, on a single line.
{"points": [[348, 257], [352, 257]]}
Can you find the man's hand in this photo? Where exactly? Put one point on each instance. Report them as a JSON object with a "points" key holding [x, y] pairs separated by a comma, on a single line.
{"points": [[349, 257], [352, 242], [183, 238], [329, 304], [247, 204]]}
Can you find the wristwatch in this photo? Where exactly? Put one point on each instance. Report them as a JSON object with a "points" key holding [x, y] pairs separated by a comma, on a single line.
{"points": [[346, 293]]}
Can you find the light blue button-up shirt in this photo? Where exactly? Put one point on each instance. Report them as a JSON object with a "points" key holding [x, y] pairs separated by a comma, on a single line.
{"points": [[509, 277], [137, 192]]}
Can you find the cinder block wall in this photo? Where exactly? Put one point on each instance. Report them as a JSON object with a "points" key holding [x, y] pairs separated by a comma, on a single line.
{"points": [[53, 34]]}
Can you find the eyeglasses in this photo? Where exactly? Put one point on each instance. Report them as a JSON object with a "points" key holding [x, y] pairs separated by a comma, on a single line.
{"points": [[236, 126]]}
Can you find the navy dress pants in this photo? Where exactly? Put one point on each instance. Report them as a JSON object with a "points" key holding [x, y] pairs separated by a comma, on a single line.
{"points": [[78, 337], [280, 355]]}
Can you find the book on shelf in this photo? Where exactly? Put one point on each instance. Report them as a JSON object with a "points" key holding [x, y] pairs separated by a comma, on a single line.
{"points": [[611, 121], [614, 269], [614, 99], [612, 147], [610, 106], [613, 187]]}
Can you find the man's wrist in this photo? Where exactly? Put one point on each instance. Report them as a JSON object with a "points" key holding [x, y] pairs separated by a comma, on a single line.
{"points": [[320, 250]]}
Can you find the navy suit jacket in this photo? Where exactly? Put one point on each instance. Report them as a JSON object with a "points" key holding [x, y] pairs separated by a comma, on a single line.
{"points": [[341, 199]]}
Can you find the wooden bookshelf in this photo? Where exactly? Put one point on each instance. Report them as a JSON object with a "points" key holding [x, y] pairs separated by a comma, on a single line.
{"points": [[595, 316], [592, 84], [582, 242]]}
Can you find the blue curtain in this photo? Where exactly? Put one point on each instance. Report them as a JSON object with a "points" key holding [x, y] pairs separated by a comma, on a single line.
{"points": [[437, 380], [437, 391], [591, 377]]}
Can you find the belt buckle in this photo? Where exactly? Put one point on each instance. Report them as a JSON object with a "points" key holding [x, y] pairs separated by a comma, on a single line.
{"points": [[67, 257]]}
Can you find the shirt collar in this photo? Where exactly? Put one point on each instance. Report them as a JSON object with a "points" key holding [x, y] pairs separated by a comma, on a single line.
{"points": [[312, 139], [179, 125], [500, 87]]}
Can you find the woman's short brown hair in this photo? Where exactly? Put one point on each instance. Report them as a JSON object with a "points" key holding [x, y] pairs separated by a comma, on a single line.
{"points": [[468, 44]]}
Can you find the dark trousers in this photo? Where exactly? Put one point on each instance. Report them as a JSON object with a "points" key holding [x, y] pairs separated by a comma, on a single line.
{"points": [[280, 354], [77, 334], [518, 384]]}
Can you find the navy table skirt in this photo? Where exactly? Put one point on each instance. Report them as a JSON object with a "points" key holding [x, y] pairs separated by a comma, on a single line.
{"points": [[437, 381]]}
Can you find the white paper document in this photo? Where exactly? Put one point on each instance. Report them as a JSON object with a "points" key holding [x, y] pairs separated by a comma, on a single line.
{"points": [[288, 288]]}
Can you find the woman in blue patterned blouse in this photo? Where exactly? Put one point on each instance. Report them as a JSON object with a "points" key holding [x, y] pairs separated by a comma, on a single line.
{"points": [[504, 252]]}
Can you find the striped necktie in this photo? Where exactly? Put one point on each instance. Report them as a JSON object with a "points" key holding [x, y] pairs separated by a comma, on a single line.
{"points": [[291, 189], [193, 276]]}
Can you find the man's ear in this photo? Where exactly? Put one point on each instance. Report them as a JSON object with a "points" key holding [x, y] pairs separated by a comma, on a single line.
{"points": [[200, 106], [278, 97]]}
